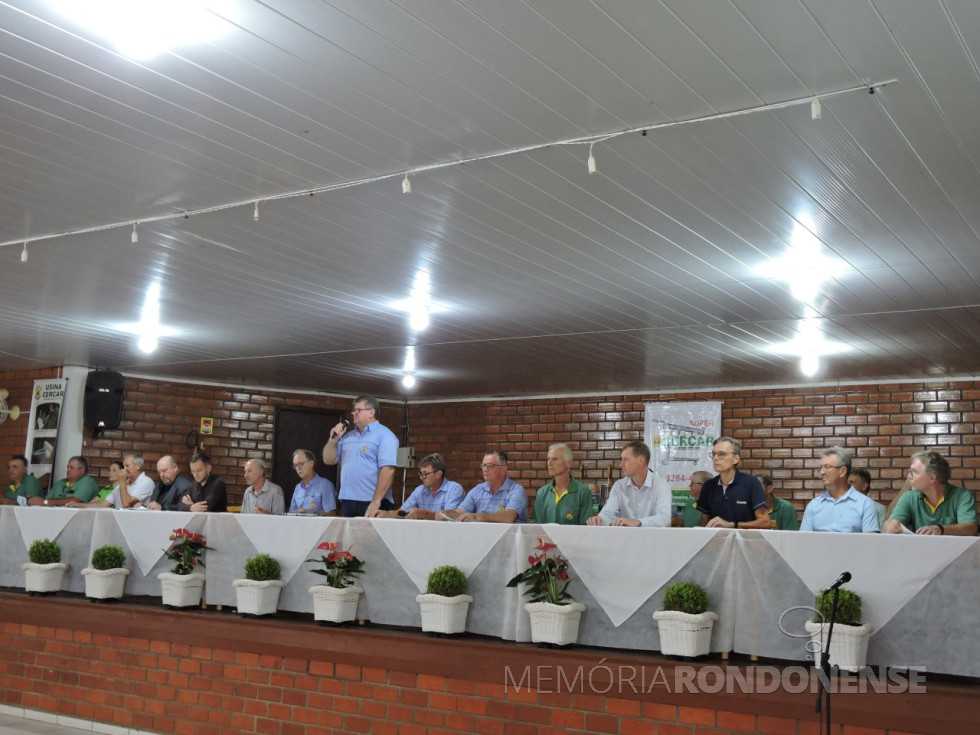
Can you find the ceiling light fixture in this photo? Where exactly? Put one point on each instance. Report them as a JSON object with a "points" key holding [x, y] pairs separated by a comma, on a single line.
{"points": [[815, 112], [591, 161], [809, 345], [409, 381], [406, 185], [255, 213], [148, 329], [589, 140], [135, 237], [23, 253]]}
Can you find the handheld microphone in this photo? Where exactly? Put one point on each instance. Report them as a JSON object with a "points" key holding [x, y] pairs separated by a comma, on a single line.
{"points": [[844, 578], [346, 424]]}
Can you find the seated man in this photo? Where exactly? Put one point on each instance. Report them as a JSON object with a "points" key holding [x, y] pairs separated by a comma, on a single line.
{"points": [[261, 495], [933, 506], [208, 494], [564, 500], [134, 488], [782, 512], [313, 493], [22, 486], [861, 481], [732, 498], [78, 485], [435, 494], [173, 485], [498, 499], [639, 498], [841, 509]]}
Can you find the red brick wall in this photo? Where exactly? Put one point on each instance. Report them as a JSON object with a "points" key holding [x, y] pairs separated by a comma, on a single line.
{"points": [[782, 429], [191, 689]]}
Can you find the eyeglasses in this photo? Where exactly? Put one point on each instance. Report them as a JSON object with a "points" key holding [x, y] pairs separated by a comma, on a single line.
{"points": [[721, 455], [696, 483], [356, 411], [423, 475], [488, 467], [300, 465], [830, 467]]}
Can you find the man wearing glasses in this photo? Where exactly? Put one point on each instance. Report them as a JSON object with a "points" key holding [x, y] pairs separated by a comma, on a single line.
{"points": [[313, 494], [368, 454], [732, 499], [841, 509], [435, 494], [498, 499]]}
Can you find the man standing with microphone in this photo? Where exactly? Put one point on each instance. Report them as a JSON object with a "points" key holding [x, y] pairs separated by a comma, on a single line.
{"points": [[367, 454]]}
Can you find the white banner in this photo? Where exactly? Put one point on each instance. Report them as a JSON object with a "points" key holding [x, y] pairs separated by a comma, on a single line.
{"points": [[42, 431], [679, 436]]}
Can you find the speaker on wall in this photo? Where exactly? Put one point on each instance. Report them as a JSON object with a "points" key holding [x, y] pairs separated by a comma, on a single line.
{"points": [[103, 399]]}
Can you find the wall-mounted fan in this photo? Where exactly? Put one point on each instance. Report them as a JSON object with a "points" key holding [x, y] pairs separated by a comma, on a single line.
{"points": [[12, 411]]}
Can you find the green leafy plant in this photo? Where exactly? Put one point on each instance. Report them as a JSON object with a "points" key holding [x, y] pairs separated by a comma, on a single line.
{"points": [[339, 566], [848, 608], [44, 551], [686, 597], [262, 568], [186, 549], [448, 581], [546, 579], [108, 557]]}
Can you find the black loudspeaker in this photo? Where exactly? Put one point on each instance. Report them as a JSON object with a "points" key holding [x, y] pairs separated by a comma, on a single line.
{"points": [[103, 399]]}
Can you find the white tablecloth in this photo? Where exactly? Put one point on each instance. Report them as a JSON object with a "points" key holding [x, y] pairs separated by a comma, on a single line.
{"points": [[753, 577]]}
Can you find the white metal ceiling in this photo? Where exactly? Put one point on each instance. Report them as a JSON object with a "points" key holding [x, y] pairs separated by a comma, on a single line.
{"points": [[642, 276]]}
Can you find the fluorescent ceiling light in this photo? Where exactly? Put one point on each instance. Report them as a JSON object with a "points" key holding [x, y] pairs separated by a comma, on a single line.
{"points": [[143, 29]]}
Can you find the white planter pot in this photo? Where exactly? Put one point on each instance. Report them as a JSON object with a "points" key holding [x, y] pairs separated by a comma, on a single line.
{"points": [[104, 584], [555, 624], [335, 604], [257, 597], [848, 648], [181, 590], [444, 614], [684, 634], [43, 577]]}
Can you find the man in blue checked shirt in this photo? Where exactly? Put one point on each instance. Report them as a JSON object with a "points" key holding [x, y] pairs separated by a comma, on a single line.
{"points": [[435, 494]]}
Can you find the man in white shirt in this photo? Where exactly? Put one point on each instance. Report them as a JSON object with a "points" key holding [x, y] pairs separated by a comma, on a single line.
{"points": [[640, 498], [134, 489], [261, 496]]}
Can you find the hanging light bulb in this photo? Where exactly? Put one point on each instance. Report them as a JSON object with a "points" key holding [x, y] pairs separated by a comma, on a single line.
{"points": [[406, 185], [135, 237], [255, 214], [592, 167], [809, 365], [418, 319], [23, 255], [408, 381], [815, 112]]}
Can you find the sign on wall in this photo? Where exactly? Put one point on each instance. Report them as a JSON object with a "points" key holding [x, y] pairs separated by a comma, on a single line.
{"points": [[42, 432], [679, 436]]}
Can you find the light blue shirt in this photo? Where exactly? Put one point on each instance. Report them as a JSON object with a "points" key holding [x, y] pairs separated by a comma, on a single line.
{"points": [[320, 496], [448, 496], [362, 455], [853, 513], [510, 496]]}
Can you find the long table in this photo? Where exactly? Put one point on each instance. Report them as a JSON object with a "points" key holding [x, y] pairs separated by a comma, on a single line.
{"points": [[920, 593]]}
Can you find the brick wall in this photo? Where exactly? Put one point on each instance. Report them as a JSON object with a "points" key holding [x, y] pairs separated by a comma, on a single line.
{"points": [[782, 429]]}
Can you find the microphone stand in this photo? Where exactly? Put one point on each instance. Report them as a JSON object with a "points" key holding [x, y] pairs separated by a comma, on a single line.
{"points": [[824, 691]]}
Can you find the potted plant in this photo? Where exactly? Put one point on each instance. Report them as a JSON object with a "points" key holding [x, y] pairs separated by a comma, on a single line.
{"points": [[106, 576], [258, 593], [685, 622], [336, 601], [184, 586], [849, 642], [445, 602], [555, 616], [44, 572]]}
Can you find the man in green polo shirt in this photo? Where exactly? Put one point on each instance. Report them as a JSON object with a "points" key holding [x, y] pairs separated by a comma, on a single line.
{"points": [[781, 511], [932, 506], [21, 486], [564, 500], [78, 485]]}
